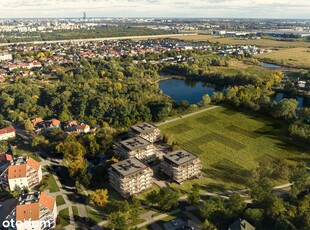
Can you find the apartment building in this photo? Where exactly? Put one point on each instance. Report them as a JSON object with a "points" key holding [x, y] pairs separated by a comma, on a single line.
{"points": [[35, 211], [23, 172], [181, 165], [7, 133], [147, 131], [139, 148], [130, 177]]}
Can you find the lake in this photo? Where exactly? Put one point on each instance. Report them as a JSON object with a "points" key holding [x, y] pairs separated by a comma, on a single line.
{"points": [[193, 91]]}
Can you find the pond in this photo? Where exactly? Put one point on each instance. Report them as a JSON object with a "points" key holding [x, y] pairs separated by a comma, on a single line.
{"points": [[193, 91], [270, 65]]}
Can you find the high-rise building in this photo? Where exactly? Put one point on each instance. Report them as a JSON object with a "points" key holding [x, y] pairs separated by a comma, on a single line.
{"points": [[84, 15]]}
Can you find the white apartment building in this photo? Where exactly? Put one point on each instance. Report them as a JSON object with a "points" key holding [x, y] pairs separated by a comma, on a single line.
{"points": [[23, 172], [147, 131], [39, 208], [181, 165], [130, 177], [139, 148]]}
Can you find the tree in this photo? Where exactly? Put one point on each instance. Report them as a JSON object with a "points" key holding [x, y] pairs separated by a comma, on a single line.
{"points": [[206, 100], [207, 225], [99, 197], [236, 203], [217, 97], [209, 207], [28, 125], [299, 179], [165, 198], [117, 220], [71, 149], [194, 197], [277, 207], [134, 211], [285, 108]]}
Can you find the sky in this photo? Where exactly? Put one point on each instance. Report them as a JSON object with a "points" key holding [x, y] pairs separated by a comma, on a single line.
{"points": [[156, 8]]}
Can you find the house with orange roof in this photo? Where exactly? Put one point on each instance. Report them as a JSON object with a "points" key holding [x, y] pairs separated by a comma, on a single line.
{"points": [[5, 161], [34, 211], [7, 133], [23, 172]]}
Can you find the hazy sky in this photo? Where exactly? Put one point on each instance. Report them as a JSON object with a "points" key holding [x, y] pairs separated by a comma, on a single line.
{"points": [[156, 8]]}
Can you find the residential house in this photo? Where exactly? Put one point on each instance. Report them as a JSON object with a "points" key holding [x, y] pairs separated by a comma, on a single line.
{"points": [[23, 172], [7, 133], [130, 177], [146, 130], [181, 165], [35, 211], [5, 160], [82, 128], [139, 148]]}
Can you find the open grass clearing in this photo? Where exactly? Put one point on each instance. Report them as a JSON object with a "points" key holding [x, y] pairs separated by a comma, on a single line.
{"points": [[60, 200], [232, 145], [296, 57], [64, 218]]}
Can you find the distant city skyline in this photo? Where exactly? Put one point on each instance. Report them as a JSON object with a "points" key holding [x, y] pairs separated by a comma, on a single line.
{"points": [[155, 8]]}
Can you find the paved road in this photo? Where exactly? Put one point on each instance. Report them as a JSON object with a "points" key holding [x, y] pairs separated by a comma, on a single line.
{"points": [[100, 39], [185, 116]]}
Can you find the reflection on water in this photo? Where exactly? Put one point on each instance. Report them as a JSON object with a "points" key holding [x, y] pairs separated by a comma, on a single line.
{"points": [[193, 91]]}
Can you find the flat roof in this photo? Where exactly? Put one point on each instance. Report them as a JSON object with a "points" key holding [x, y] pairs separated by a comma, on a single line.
{"points": [[143, 127], [135, 143], [129, 166], [180, 157]]}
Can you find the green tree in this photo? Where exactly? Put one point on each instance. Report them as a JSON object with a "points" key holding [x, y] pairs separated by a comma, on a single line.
{"points": [[194, 197], [117, 220]]}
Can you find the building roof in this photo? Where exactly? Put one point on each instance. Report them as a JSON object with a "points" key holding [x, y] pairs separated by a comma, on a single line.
{"points": [[36, 120], [129, 166], [135, 143], [9, 129], [28, 211], [33, 164], [5, 157], [47, 201], [241, 225], [82, 126], [55, 122], [17, 171], [180, 157], [6, 207], [143, 128]]}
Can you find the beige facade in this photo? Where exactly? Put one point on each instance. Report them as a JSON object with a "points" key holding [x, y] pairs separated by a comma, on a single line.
{"points": [[147, 131], [139, 148], [181, 165], [130, 177]]}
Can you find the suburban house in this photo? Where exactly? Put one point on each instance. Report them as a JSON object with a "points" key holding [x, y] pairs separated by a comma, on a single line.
{"points": [[130, 177], [48, 125], [74, 126], [23, 172], [241, 224], [5, 160], [139, 148], [147, 131], [40, 208], [181, 165], [7, 133], [82, 128]]}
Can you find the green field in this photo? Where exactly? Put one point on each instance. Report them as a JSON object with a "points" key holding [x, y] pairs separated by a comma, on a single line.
{"points": [[64, 218], [230, 144], [60, 200]]}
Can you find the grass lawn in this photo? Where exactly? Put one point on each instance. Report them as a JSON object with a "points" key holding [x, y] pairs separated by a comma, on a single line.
{"points": [[299, 57], [26, 150], [64, 217], [94, 216], [230, 144], [51, 183], [142, 196], [60, 200], [75, 212]]}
